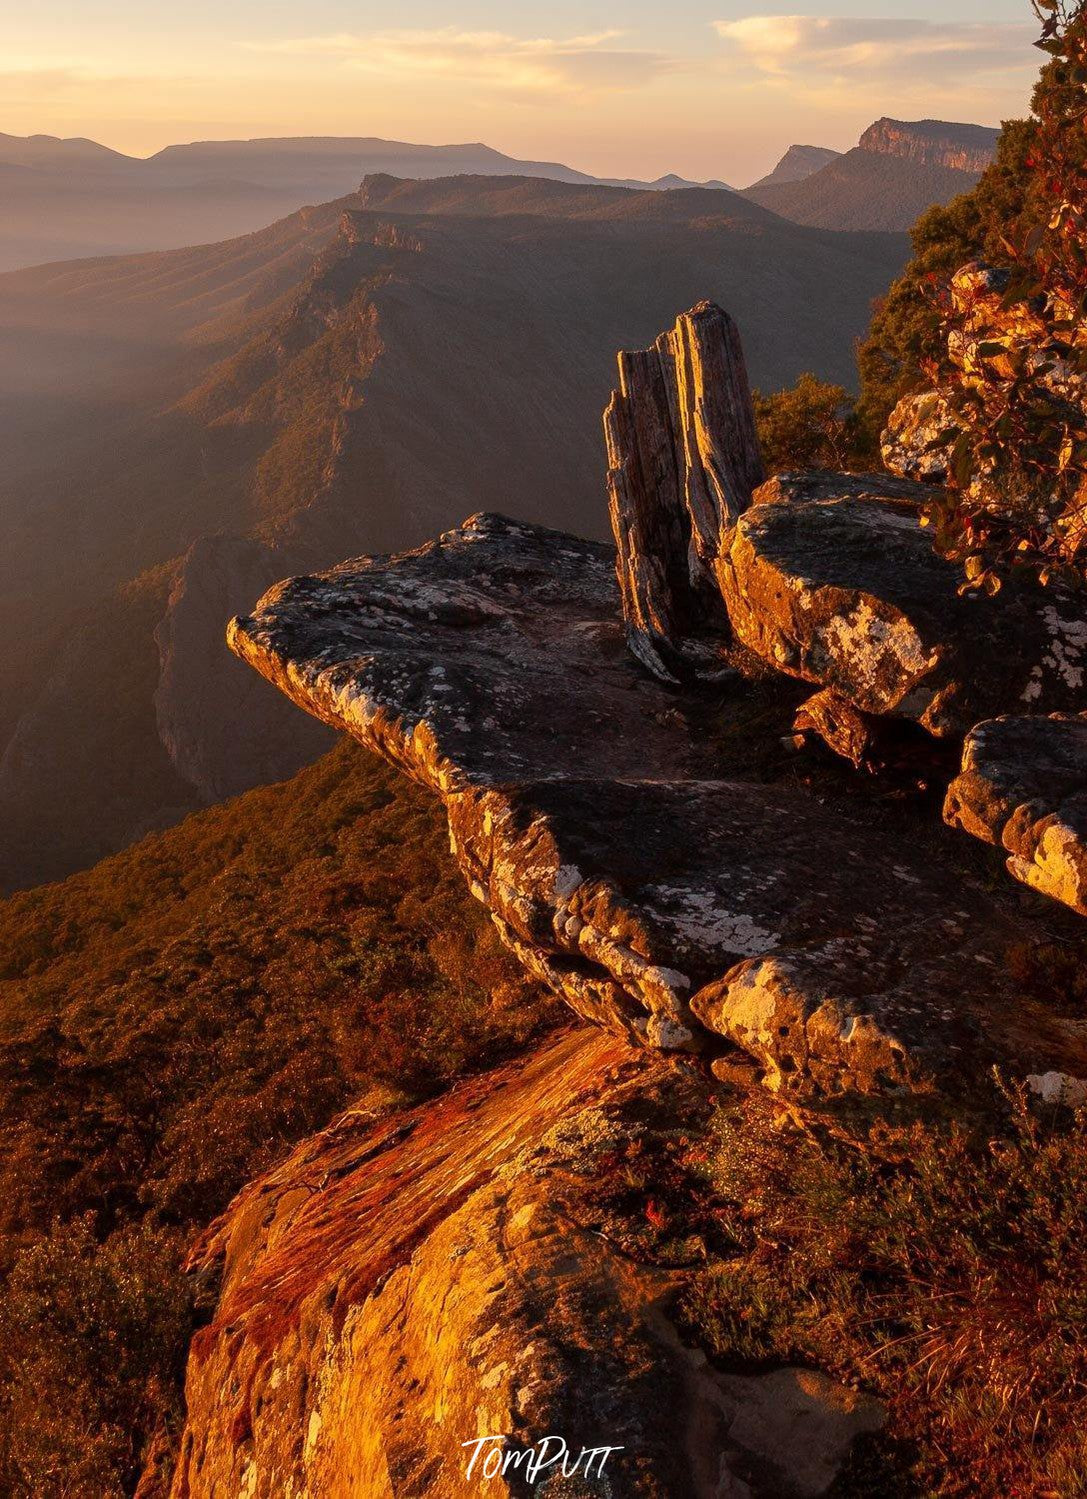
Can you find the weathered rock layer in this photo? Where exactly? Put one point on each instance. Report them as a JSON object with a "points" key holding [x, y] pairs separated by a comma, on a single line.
{"points": [[833, 579], [588, 810], [1023, 787]]}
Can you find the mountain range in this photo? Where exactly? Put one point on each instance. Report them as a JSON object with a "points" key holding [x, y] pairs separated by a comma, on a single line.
{"points": [[73, 198], [185, 427], [66, 199]]}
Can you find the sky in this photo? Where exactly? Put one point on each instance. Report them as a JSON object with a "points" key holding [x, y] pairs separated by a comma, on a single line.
{"points": [[706, 88]]}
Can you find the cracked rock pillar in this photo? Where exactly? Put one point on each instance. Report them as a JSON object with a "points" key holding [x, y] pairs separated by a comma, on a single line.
{"points": [[683, 460]]}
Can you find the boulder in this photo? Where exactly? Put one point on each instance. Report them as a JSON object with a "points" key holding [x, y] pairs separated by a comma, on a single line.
{"points": [[834, 580], [683, 459], [591, 807], [841, 727], [411, 1302], [914, 443], [1023, 787]]}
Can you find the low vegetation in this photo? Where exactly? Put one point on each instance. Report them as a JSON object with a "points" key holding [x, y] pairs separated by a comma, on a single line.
{"points": [[812, 424], [941, 1266], [170, 1022]]}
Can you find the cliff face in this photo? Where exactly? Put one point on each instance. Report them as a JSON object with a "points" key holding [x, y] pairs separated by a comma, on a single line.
{"points": [[897, 170], [933, 143]]}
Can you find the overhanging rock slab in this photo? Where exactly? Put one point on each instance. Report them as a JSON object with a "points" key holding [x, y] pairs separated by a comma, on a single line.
{"points": [[588, 810]]}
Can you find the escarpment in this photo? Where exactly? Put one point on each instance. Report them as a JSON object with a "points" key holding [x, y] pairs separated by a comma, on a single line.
{"points": [[630, 846]]}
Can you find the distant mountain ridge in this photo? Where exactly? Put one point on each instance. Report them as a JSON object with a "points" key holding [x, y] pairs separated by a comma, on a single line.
{"points": [[797, 163], [896, 171], [69, 199]]}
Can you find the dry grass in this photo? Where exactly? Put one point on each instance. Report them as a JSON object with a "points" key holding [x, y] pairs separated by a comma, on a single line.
{"points": [[942, 1267]]}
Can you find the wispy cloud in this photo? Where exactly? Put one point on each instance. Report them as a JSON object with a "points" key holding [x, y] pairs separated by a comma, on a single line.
{"points": [[490, 59], [845, 47]]}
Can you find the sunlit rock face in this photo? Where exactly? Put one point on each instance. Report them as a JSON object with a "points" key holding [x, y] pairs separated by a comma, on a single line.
{"points": [[622, 837], [1023, 787], [988, 339], [938, 143], [832, 578], [410, 1305]]}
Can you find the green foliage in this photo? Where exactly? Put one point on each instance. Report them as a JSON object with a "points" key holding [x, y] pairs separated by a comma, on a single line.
{"points": [[809, 425], [940, 1266], [175, 1018], [906, 330]]}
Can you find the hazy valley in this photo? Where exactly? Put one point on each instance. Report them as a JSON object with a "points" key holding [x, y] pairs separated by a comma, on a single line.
{"points": [[355, 377]]}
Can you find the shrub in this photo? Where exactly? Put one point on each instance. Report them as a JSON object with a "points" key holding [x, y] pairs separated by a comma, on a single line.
{"points": [[810, 425], [943, 1267], [95, 1336]]}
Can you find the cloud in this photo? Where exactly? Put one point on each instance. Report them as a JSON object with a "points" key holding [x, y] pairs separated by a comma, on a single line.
{"points": [[876, 47], [489, 59]]}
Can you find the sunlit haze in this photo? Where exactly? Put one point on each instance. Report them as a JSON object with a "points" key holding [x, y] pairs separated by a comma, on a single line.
{"points": [[706, 88]]}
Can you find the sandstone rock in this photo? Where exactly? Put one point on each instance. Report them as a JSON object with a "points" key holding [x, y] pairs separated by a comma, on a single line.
{"points": [[963, 148], [841, 586], [1023, 787], [683, 459], [587, 808], [401, 1287], [1058, 1087], [914, 442], [842, 727]]}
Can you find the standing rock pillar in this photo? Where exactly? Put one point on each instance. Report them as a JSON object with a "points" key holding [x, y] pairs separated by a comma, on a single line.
{"points": [[683, 460]]}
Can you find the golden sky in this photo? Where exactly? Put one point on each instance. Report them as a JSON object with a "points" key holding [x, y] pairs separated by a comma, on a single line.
{"points": [[704, 89]]}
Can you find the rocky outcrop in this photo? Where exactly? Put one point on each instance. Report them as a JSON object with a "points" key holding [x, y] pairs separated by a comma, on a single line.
{"points": [[897, 170], [1023, 787], [835, 581], [683, 460], [412, 1305], [914, 443], [591, 807], [987, 340]]}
